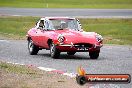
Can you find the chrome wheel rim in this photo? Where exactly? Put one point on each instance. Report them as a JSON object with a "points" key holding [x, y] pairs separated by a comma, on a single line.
{"points": [[52, 49], [30, 46]]}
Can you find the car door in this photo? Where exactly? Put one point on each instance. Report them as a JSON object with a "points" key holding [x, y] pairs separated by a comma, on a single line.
{"points": [[34, 33], [42, 36]]}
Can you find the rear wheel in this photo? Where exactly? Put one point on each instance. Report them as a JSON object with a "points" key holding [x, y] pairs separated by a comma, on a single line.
{"points": [[54, 52], [71, 53], [94, 54], [33, 49]]}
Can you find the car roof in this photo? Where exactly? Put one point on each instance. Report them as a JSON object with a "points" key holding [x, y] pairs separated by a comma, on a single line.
{"points": [[43, 18]]}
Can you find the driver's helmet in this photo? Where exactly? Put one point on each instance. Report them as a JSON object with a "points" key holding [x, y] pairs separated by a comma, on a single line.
{"points": [[64, 25]]}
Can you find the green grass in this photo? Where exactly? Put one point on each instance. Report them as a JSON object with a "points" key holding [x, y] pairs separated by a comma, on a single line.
{"points": [[18, 69], [16, 27], [114, 31], [67, 3]]}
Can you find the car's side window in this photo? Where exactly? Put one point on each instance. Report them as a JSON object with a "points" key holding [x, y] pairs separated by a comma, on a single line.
{"points": [[41, 24]]}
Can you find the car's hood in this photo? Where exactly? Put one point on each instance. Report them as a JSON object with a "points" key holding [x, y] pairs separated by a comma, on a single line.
{"points": [[77, 36]]}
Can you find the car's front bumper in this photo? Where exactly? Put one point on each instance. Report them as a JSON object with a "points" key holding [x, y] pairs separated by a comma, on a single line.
{"points": [[75, 48]]}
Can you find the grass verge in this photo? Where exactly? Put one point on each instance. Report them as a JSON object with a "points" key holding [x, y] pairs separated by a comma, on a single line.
{"points": [[17, 76], [114, 31], [67, 3], [16, 27]]}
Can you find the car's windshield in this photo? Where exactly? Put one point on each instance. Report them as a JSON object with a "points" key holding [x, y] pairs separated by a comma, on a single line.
{"points": [[61, 24]]}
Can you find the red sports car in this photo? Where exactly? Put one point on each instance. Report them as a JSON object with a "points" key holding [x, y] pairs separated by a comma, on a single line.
{"points": [[63, 34]]}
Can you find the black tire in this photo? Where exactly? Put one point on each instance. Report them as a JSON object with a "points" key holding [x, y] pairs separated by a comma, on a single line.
{"points": [[71, 53], [81, 80], [33, 49], [94, 55], [54, 52]]}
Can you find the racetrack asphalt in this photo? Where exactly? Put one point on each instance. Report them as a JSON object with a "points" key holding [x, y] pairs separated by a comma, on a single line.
{"points": [[81, 13], [114, 59]]}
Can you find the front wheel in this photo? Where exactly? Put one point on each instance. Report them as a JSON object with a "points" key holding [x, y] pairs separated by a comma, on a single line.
{"points": [[33, 49], [94, 55], [54, 52]]}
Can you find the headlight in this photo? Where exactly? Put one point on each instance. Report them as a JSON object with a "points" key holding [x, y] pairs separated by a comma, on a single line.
{"points": [[61, 38], [99, 38]]}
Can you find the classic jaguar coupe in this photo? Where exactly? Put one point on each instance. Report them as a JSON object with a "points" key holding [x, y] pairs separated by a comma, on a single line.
{"points": [[63, 34]]}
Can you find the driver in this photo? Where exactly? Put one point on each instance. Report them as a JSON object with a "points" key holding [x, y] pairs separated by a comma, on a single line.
{"points": [[64, 25]]}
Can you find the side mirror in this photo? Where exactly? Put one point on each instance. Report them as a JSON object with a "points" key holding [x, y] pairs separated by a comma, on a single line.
{"points": [[81, 30], [36, 23]]}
